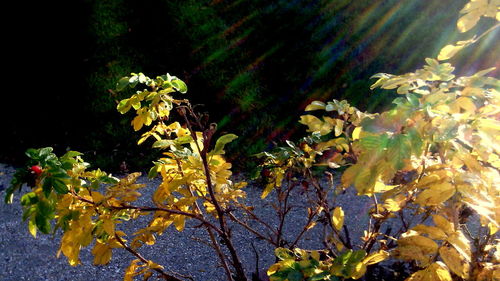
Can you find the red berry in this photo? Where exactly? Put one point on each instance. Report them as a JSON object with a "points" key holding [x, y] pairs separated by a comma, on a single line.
{"points": [[36, 169]]}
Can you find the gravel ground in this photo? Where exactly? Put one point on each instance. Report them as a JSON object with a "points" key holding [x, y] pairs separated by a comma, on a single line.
{"points": [[23, 257]]}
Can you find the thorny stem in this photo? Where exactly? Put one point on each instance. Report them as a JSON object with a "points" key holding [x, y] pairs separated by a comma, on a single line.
{"points": [[240, 273], [135, 253], [283, 211], [323, 201]]}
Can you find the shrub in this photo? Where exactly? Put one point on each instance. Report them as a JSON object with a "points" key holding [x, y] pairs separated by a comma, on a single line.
{"points": [[432, 162]]}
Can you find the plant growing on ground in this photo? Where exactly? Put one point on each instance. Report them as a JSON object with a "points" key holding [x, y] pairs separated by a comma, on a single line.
{"points": [[432, 162]]}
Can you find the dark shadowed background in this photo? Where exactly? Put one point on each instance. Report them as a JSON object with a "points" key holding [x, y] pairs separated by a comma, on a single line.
{"points": [[255, 65]]}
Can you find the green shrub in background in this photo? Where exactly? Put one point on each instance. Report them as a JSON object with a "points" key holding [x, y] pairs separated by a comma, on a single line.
{"points": [[251, 73]]}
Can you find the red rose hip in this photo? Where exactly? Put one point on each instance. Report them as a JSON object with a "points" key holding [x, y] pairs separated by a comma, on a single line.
{"points": [[36, 169]]}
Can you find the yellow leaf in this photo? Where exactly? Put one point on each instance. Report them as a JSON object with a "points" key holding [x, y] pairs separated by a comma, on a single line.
{"points": [[435, 272], [410, 253], [466, 104], [433, 178], [455, 262], [32, 227], [315, 105], [109, 226], [130, 272], [382, 187], [339, 127], [395, 204], [338, 218], [273, 269], [137, 122], [493, 228], [359, 271], [102, 253], [447, 226], [70, 248], [468, 21], [349, 176], [434, 232], [427, 245], [376, 257], [97, 197], [448, 52], [436, 194], [154, 265], [315, 255], [355, 133], [269, 187], [461, 244], [179, 222], [314, 124]]}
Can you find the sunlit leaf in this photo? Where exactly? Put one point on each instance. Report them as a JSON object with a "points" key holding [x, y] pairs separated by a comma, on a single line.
{"points": [[447, 226], [221, 142], [315, 105], [435, 272], [455, 262], [376, 257], [338, 218]]}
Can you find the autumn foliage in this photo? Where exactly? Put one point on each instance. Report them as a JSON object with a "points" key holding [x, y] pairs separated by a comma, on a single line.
{"points": [[431, 162]]}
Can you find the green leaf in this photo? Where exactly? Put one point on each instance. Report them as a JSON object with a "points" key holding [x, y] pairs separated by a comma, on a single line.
{"points": [[319, 276], [47, 186], [374, 142], [44, 208], [162, 143], [133, 81], [399, 149], [59, 186], [153, 172], [42, 223], [122, 83], [221, 142], [179, 85], [29, 198], [9, 196], [45, 152], [28, 212], [295, 276], [109, 179], [357, 256], [32, 153], [124, 106]]}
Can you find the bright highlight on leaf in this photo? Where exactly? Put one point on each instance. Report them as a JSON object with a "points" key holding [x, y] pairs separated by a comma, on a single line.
{"points": [[338, 218]]}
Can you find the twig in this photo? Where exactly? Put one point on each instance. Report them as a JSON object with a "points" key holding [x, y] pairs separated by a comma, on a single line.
{"points": [[135, 253], [249, 228]]}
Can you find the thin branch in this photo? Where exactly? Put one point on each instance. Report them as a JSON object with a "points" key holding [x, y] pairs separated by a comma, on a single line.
{"points": [[238, 266], [249, 228], [256, 218], [156, 209], [144, 260]]}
